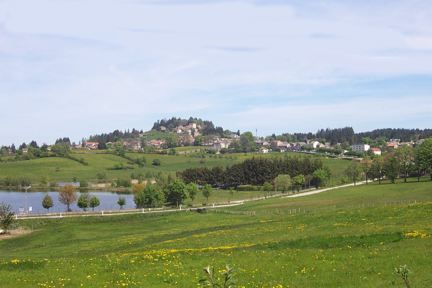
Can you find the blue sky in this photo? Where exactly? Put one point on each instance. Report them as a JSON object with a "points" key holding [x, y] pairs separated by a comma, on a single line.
{"points": [[79, 67]]}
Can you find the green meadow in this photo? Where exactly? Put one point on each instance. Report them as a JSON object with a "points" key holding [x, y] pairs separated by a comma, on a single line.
{"points": [[54, 169], [351, 237]]}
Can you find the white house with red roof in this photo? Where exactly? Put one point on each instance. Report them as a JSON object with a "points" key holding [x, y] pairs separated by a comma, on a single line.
{"points": [[376, 151]]}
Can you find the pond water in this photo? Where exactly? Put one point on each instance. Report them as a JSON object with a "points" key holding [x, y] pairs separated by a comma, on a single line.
{"points": [[21, 200]]}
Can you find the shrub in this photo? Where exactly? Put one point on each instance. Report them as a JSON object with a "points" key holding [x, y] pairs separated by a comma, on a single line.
{"points": [[121, 201], [6, 217], [47, 202], [213, 281], [94, 202]]}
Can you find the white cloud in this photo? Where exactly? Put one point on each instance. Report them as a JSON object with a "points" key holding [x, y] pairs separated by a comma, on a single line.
{"points": [[117, 60]]}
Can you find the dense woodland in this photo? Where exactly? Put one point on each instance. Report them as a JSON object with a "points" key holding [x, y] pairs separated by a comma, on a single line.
{"points": [[115, 136], [255, 171]]}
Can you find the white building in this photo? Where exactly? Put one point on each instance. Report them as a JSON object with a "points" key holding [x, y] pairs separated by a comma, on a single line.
{"points": [[360, 147], [376, 151]]}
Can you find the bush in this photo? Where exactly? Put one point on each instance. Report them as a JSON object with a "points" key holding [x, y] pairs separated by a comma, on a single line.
{"points": [[156, 162], [122, 183], [6, 217], [83, 184], [248, 188]]}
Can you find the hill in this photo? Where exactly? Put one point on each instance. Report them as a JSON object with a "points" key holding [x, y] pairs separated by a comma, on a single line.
{"points": [[107, 167]]}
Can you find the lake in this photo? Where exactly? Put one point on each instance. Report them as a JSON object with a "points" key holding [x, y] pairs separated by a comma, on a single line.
{"points": [[20, 200]]}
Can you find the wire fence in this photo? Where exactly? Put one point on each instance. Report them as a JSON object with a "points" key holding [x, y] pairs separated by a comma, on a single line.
{"points": [[346, 207]]}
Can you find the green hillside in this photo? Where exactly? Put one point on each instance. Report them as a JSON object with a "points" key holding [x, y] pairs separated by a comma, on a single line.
{"points": [[62, 169]]}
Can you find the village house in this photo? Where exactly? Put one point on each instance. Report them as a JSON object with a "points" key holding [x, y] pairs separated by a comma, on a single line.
{"points": [[313, 145], [91, 145], [280, 146], [297, 146], [155, 143], [134, 145], [376, 151], [360, 148], [220, 144], [392, 145]]}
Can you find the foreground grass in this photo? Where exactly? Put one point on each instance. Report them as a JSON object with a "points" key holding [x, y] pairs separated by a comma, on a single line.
{"points": [[329, 246]]}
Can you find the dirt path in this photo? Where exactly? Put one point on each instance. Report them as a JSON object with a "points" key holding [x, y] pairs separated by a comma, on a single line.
{"points": [[323, 190], [14, 233]]}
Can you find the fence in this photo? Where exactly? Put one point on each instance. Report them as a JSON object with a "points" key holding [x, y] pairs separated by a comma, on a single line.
{"points": [[363, 205]]}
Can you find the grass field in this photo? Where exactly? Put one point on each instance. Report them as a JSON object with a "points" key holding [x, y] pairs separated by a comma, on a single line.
{"points": [[61, 169], [335, 242]]}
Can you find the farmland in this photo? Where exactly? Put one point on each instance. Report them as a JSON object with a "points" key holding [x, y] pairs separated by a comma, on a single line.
{"points": [[351, 237], [62, 169]]}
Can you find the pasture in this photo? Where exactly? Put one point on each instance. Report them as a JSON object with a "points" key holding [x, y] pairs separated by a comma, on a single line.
{"points": [[334, 241]]}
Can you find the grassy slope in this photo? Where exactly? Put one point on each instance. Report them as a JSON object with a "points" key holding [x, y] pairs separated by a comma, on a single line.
{"points": [[67, 169], [346, 246]]}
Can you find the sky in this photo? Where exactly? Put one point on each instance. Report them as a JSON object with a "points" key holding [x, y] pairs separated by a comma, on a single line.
{"points": [[73, 68]]}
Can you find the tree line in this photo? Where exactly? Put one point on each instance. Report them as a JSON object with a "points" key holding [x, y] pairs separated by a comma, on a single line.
{"points": [[348, 136], [404, 162]]}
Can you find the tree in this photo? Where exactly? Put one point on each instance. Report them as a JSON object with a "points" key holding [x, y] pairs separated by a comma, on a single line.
{"points": [[61, 150], [282, 183], [192, 190], [139, 187], [175, 192], [150, 196], [298, 181], [207, 191], [247, 142], [267, 188], [424, 156], [121, 202], [405, 157], [47, 202], [320, 177], [353, 171], [171, 140], [84, 201], [391, 166], [6, 217], [119, 149], [94, 202], [366, 167], [377, 169], [141, 161], [67, 196]]}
